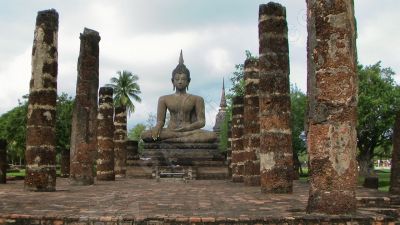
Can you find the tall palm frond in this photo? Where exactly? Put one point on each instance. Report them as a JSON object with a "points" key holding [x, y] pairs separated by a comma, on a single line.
{"points": [[125, 87]]}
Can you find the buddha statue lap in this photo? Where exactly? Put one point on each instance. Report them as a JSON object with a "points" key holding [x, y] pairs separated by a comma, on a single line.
{"points": [[187, 115]]}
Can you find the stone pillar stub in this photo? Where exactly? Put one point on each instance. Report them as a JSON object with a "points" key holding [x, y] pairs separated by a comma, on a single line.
{"points": [[65, 163], [105, 135], [395, 165], [276, 153], [120, 138], [332, 80], [84, 114], [132, 150], [3, 161], [237, 162], [40, 151], [251, 124]]}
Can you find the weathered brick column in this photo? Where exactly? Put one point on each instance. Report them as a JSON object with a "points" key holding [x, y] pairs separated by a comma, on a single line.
{"points": [[65, 163], [3, 161], [276, 154], [120, 138], [84, 122], [229, 149], [395, 165], [251, 136], [40, 151], [237, 162], [331, 140], [105, 135]]}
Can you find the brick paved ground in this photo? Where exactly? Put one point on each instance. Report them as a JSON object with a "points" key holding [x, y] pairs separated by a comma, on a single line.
{"points": [[145, 198]]}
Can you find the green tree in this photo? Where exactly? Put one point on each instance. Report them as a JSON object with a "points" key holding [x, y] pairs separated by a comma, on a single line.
{"points": [[298, 106], [134, 134], [237, 78], [136, 131], [378, 102], [125, 87], [63, 122], [13, 130], [13, 127]]}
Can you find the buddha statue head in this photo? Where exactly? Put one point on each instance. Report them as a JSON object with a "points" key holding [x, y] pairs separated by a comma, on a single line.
{"points": [[181, 69]]}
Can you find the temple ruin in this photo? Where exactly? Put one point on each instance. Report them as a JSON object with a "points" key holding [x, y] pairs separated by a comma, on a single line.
{"points": [[332, 95], [40, 151], [84, 122], [276, 153]]}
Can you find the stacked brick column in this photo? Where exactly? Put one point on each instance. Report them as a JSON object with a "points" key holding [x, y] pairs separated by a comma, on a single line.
{"points": [[105, 135], [251, 136], [276, 154], [332, 77], [120, 138], [395, 165], [3, 161], [40, 151], [237, 163], [84, 123]]}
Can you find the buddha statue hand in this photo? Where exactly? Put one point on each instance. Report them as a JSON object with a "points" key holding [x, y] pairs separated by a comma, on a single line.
{"points": [[155, 132], [182, 129]]}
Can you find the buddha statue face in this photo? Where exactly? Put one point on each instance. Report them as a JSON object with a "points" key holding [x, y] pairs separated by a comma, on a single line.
{"points": [[180, 81]]}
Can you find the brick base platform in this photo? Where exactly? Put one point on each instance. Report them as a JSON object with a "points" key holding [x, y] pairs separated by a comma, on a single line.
{"points": [[205, 159], [144, 201]]}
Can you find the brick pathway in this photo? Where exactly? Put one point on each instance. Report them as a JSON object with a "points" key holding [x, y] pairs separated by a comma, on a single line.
{"points": [[143, 198]]}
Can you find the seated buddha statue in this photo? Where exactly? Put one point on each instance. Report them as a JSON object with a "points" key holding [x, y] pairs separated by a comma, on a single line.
{"points": [[187, 115]]}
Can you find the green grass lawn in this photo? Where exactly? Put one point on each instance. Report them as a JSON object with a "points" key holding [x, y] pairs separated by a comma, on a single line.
{"points": [[383, 174], [21, 173]]}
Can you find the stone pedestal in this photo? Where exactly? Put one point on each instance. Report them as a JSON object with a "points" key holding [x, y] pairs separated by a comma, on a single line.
{"points": [[276, 154], [3, 161], [332, 80], [205, 159], [84, 122], [40, 151]]}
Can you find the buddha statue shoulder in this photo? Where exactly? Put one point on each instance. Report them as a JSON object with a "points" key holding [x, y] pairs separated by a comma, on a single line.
{"points": [[187, 113]]}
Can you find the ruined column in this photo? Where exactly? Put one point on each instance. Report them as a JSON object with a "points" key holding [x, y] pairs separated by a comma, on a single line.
{"points": [[251, 136], [332, 140], [237, 163], [84, 114], [65, 163], [276, 154], [105, 135], [229, 149], [395, 165], [120, 138], [40, 151], [3, 161]]}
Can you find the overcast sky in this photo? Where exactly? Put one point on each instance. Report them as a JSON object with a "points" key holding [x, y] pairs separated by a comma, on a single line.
{"points": [[145, 37]]}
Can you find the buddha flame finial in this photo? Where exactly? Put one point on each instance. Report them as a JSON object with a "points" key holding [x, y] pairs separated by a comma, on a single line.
{"points": [[181, 58]]}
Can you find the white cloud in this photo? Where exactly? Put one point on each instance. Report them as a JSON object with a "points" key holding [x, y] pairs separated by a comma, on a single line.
{"points": [[14, 80], [146, 37]]}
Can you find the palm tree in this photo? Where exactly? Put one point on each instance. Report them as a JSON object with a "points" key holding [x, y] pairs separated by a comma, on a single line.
{"points": [[125, 87]]}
